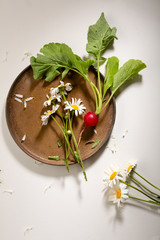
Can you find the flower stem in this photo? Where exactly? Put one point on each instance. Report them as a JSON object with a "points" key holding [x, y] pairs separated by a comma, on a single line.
{"points": [[139, 183], [144, 200], [145, 180], [147, 195], [76, 146], [66, 138]]}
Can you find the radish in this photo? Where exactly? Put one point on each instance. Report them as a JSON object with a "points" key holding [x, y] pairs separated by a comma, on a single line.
{"points": [[91, 120]]}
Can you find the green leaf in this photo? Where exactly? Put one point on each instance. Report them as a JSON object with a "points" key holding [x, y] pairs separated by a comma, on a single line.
{"points": [[65, 72], [112, 67], [99, 36], [56, 57], [97, 142], [59, 143], [127, 71], [54, 158]]}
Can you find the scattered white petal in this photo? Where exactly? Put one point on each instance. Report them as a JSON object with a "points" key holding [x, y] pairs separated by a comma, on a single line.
{"points": [[25, 104], [113, 137], [95, 131], [124, 134], [28, 229], [26, 55], [19, 95], [113, 150], [29, 99], [6, 57], [38, 163], [18, 100], [8, 191], [48, 187], [23, 138]]}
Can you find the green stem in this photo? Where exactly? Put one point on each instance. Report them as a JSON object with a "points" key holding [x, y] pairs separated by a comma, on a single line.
{"points": [[64, 135], [145, 180], [107, 102], [139, 183], [128, 184], [99, 80], [144, 200], [76, 146]]}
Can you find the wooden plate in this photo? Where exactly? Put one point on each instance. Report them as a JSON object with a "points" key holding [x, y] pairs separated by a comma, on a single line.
{"points": [[41, 141]]}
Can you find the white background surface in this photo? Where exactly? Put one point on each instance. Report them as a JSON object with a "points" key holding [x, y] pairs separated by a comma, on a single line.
{"points": [[72, 208]]}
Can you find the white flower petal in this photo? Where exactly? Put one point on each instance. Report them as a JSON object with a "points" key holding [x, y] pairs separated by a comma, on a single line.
{"points": [[18, 100], [19, 95], [29, 99]]}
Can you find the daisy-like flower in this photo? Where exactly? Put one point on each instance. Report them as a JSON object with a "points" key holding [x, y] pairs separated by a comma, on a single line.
{"points": [[65, 87], [46, 115], [54, 91], [118, 194], [112, 176], [62, 87], [128, 168], [76, 106], [57, 97]]}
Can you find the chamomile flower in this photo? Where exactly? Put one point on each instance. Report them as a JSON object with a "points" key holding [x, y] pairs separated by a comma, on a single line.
{"points": [[65, 87], [46, 115], [118, 194], [76, 106], [54, 91], [62, 87], [128, 168], [57, 97], [112, 176]]}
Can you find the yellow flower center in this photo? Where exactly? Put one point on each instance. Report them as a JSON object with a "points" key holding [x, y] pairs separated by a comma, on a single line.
{"points": [[75, 107], [118, 193], [129, 168], [113, 175], [48, 113]]}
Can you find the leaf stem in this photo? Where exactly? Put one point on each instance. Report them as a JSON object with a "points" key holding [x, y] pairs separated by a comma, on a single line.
{"points": [[145, 180], [99, 80]]}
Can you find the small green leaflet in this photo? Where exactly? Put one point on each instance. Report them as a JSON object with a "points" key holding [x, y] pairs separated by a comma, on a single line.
{"points": [[54, 158], [97, 142], [59, 143], [127, 71], [112, 67], [56, 57], [99, 36]]}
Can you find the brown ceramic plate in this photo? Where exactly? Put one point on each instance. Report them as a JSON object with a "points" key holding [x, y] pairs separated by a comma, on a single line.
{"points": [[41, 141]]}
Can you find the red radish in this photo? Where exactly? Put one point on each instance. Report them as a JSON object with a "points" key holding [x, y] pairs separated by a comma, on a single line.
{"points": [[91, 120]]}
